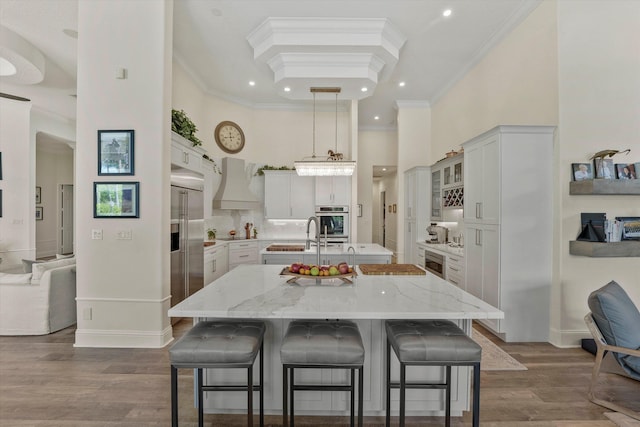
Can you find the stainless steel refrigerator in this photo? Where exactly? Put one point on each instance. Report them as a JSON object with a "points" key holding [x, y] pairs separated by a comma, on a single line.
{"points": [[187, 234]]}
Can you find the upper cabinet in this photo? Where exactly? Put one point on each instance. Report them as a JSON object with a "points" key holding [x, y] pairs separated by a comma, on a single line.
{"points": [[482, 186], [184, 154], [447, 188], [288, 196], [333, 191]]}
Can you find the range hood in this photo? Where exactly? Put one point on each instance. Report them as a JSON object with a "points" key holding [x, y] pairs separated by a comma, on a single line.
{"points": [[234, 190]]}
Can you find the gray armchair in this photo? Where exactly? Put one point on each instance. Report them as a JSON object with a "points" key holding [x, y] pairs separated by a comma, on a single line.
{"points": [[614, 322]]}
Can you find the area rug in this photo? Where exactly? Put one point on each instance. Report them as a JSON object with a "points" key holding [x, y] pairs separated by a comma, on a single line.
{"points": [[621, 420], [493, 357]]}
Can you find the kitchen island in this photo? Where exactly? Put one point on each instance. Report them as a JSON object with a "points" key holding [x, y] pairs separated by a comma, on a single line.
{"points": [[260, 292]]}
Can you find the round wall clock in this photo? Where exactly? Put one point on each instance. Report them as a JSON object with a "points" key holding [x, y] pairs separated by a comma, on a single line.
{"points": [[229, 137]]}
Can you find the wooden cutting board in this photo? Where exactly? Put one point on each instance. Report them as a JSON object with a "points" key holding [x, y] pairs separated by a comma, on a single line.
{"points": [[285, 248], [390, 269]]}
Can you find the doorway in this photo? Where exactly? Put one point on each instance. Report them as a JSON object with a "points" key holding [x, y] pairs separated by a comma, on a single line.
{"points": [[65, 245]]}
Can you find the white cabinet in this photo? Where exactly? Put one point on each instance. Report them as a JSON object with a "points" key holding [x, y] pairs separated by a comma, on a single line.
{"points": [[333, 191], [454, 272], [243, 252], [508, 227], [184, 154], [288, 196], [216, 263], [447, 189], [212, 179], [416, 183]]}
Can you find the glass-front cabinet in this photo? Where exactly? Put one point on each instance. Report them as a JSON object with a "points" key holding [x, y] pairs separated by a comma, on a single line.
{"points": [[436, 199]]}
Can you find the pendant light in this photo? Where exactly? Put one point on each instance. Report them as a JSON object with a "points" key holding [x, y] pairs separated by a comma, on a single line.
{"points": [[330, 165]]}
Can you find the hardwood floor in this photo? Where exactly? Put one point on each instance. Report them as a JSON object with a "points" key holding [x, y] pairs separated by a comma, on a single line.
{"points": [[45, 381]]}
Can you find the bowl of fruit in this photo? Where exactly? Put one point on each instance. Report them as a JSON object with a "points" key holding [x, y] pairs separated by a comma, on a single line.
{"points": [[341, 271]]}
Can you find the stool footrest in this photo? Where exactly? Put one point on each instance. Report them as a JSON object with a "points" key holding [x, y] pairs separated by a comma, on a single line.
{"points": [[229, 388], [415, 385], [325, 387]]}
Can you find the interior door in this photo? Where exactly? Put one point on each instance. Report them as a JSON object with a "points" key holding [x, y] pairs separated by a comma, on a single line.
{"points": [[66, 219]]}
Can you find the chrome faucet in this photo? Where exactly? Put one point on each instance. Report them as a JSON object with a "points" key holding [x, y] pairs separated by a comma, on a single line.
{"points": [[317, 240]]}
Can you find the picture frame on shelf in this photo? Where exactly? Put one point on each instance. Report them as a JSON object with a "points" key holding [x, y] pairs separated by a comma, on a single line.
{"points": [[116, 152], [630, 227], [604, 168], [39, 213], [395, 207], [116, 200], [0, 166], [582, 171], [626, 171], [38, 195]]}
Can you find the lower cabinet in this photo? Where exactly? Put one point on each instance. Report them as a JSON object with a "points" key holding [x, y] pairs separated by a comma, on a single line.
{"points": [[243, 252], [216, 263], [455, 270]]}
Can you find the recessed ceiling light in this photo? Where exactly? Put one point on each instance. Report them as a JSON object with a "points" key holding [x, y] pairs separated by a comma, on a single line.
{"points": [[401, 84], [364, 89], [446, 13], [252, 83], [384, 169], [376, 118], [71, 33], [287, 89]]}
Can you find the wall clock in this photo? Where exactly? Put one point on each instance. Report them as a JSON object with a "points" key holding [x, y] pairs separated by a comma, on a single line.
{"points": [[229, 137]]}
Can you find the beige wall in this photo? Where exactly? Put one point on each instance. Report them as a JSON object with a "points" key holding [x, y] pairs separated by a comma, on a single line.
{"points": [[592, 93]]}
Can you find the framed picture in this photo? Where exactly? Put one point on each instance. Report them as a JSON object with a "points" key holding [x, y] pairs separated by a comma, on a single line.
{"points": [[604, 168], [626, 171], [38, 195], [115, 152], [0, 166], [582, 171], [116, 200], [39, 213]]}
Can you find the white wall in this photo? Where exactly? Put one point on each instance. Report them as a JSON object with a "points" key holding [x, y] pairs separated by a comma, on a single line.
{"points": [[599, 99]]}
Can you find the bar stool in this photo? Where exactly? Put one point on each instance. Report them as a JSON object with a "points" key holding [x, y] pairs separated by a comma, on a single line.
{"points": [[219, 344], [324, 345], [431, 343]]}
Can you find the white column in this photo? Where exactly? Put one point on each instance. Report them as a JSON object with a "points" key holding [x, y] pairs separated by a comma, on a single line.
{"points": [[124, 82]]}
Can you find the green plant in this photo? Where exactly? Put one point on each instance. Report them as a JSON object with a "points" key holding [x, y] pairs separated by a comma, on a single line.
{"points": [[211, 233], [182, 125], [261, 170]]}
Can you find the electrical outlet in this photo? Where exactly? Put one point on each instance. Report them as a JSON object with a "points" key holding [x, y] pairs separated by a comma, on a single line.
{"points": [[124, 235], [96, 234]]}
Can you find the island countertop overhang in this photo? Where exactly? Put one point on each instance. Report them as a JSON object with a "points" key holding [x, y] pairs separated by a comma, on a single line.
{"points": [[259, 291]]}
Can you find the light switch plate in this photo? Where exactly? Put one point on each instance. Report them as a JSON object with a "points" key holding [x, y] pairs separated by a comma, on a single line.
{"points": [[124, 235], [96, 234]]}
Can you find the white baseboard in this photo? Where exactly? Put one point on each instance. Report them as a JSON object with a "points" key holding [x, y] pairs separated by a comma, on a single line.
{"points": [[568, 338], [123, 339]]}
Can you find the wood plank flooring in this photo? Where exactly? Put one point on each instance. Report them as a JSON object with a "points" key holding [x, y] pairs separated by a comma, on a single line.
{"points": [[45, 381]]}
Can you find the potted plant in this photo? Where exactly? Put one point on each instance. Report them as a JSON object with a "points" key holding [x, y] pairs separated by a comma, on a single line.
{"points": [[211, 233], [183, 126]]}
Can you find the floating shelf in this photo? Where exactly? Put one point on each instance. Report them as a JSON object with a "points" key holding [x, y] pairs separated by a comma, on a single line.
{"points": [[605, 187], [628, 248]]}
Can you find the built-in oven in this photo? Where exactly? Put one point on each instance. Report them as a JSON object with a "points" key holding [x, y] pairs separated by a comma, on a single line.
{"points": [[334, 221], [434, 263]]}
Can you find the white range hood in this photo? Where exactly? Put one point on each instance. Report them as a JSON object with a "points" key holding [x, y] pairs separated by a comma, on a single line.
{"points": [[234, 190]]}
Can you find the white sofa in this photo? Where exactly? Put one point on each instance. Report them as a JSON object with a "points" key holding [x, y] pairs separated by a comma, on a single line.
{"points": [[39, 302]]}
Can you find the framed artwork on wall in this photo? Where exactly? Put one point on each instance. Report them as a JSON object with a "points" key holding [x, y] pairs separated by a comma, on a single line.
{"points": [[116, 200], [38, 195], [115, 152], [39, 213]]}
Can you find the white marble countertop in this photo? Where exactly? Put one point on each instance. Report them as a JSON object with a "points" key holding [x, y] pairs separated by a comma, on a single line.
{"points": [[443, 248], [336, 249], [259, 291]]}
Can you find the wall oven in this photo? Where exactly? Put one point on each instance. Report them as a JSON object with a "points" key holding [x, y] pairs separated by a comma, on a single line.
{"points": [[434, 263], [334, 220]]}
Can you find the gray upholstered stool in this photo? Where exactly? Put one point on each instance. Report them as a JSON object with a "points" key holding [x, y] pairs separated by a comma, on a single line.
{"points": [[326, 345], [431, 343], [219, 344]]}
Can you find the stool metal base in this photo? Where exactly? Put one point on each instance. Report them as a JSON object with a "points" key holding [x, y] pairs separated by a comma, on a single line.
{"points": [[201, 387], [289, 386], [403, 385]]}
